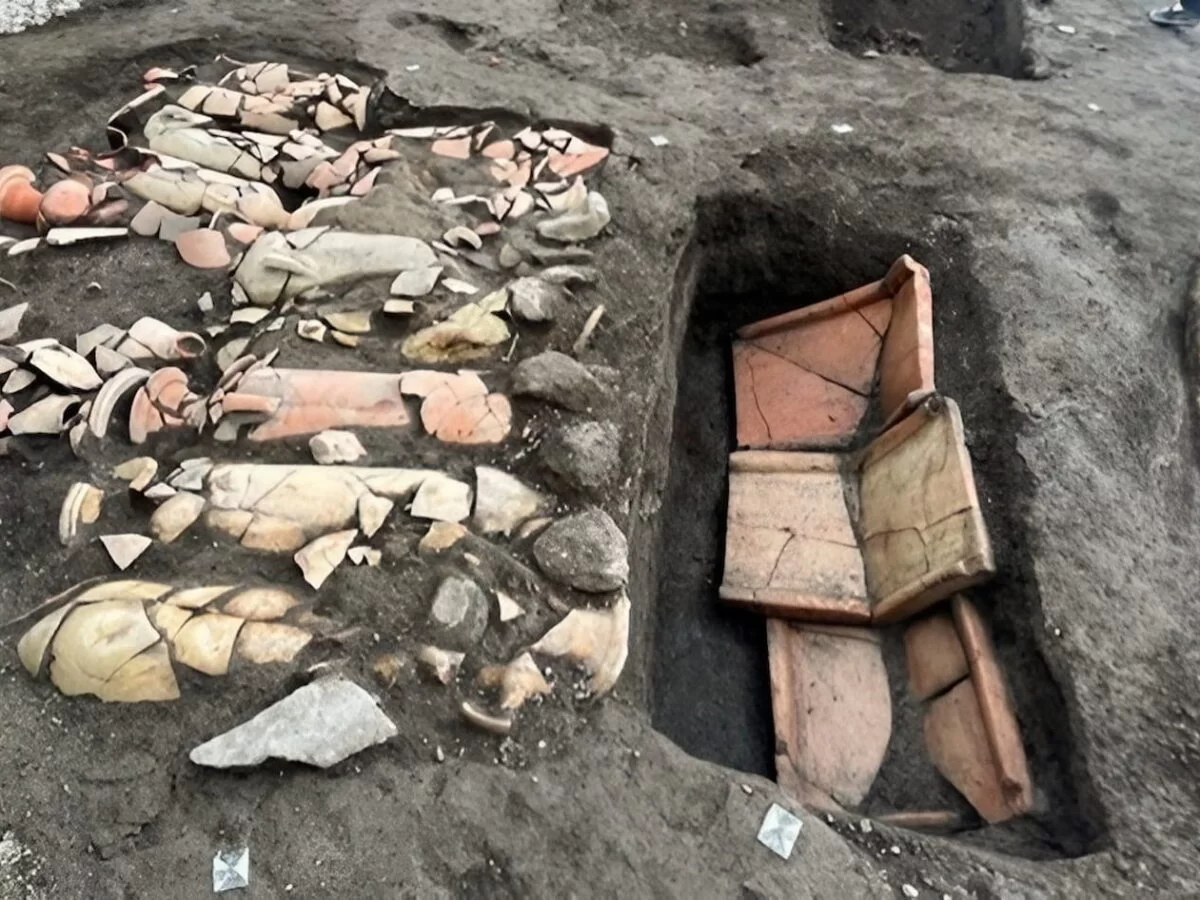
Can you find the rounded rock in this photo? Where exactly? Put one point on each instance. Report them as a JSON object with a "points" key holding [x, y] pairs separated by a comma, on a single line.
{"points": [[586, 551]]}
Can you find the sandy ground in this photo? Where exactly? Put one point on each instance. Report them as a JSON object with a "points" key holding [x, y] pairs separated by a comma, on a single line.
{"points": [[1060, 239]]}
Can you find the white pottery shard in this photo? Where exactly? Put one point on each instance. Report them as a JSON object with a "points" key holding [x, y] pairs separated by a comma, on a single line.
{"points": [[597, 639], [123, 549], [48, 416], [10, 321], [335, 446], [442, 498], [317, 559], [281, 266], [580, 225], [503, 502], [320, 724]]}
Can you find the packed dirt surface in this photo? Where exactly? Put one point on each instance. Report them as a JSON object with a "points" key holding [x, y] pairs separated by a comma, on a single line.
{"points": [[1058, 221]]}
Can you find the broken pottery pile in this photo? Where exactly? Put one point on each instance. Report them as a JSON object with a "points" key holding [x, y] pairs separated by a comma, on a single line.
{"points": [[830, 545], [247, 173], [117, 640]]}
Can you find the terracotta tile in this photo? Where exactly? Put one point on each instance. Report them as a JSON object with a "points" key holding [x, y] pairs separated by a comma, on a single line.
{"points": [[906, 361], [781, 405], [841, 346], [789, 545], [457, 408], [19, 199], [935, 655], [832, 710], [958, 744], [455, 148], [313, 400], [922, 530], [999, 720]]}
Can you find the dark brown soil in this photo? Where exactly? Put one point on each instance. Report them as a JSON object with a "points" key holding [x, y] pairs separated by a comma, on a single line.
{"points": [[1060, 240]]}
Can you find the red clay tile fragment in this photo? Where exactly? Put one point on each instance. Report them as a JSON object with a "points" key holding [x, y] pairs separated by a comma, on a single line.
{"points": [[832, 710], [781, 405], [203, 248], [64, 202], [455, 148], [958, 744], [457, 408], [922, 530], [935, 655], [906, 360], [790, 549], [995, 706], [933, 820]]}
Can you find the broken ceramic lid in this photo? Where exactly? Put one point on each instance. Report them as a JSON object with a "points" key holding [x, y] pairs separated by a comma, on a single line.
{"points": [[320, 725], [117, 639], [457, 408]]}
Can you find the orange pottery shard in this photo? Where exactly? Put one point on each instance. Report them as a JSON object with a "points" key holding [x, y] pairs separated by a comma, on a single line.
{"points": [[457, 408], [790, 550], [832, 710], [995, 707], [935, 655]]}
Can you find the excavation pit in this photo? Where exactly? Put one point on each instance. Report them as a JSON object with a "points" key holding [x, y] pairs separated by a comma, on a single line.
{"points": [[711, 682]]}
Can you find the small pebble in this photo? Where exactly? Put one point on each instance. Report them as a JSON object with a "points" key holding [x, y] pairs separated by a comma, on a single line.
{"points": [[865, 825], [439, 754], [895, 850], [909, 891], [747, 789]]}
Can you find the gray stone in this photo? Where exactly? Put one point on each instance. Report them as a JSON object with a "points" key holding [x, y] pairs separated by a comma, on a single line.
{"points": [[585, 551], [320, 724], [534, 300], [558, 379], [459, 613], [586, 455]]}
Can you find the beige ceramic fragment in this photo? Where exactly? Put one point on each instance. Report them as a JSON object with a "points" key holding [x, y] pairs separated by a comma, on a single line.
{"points": [[503, 502], [94, 641], [470, 332], [368, 555], [109, 362], [81, 505], [10, 321], [330, 447], [165, 342], [441, 536], [248, 315], [31, 649], [415, 282], [311, 330], [64, 367], [47, 416], [107, 398], [598, 640], [790, 548], [123, 549], [318, 559], [197, 598], [122, 589], [509, 608], [443, 664], [168, 619], [64, 237], [519, 681], [260, 604], [18, 381], [442, 498], [139, 471], [346, 340], [205, 643], [922, 529], [356, 322], [398, 307], [372, 511], [175, 516], [270, 642]]}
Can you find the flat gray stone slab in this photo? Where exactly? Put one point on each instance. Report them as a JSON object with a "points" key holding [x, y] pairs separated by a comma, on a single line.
{"points": [[320, 724]]}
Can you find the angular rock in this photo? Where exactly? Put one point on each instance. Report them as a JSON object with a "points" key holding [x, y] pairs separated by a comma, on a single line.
{"points": [[502, 501], [534, 299], [459, 612], [558, 379], [586, 455], [320, 724], [334, 446], [585, 551]]}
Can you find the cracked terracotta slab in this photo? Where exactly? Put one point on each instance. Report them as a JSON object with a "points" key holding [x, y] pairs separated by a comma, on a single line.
{"points": [[921, 526], [832, 709], [995, 707], [934, 655], [790, 548], [289, 402], [803, 379], [457, 408]]}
